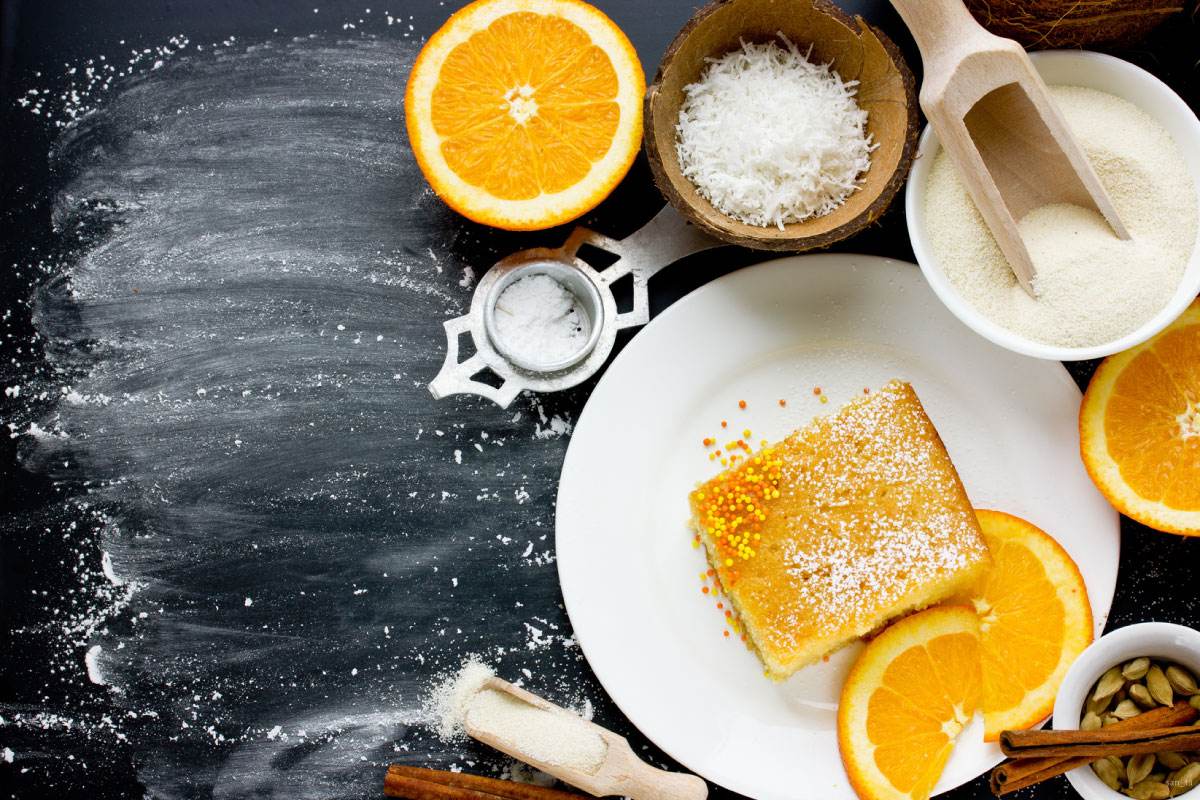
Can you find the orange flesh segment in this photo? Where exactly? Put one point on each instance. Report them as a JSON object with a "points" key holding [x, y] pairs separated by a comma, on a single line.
{"points": [[915, 715], [526, 106], [1034, 620], [1142, 420]]}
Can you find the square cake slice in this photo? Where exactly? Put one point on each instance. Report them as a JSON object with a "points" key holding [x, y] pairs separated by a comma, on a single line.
{"points": [[853, 520]]}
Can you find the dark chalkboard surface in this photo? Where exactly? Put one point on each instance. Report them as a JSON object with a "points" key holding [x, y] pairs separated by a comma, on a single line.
{"points": [[240, 540]]}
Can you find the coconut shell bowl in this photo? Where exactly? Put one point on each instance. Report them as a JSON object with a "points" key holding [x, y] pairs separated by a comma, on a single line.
{"points": [[857, 51]]}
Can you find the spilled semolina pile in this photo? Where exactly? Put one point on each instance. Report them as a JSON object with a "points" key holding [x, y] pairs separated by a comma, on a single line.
{"points": [[1092, 287], [770, 138]]}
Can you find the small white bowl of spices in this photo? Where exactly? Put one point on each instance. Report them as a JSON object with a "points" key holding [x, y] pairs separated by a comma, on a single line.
{"points": [[1097, 295], [1148, 668]]}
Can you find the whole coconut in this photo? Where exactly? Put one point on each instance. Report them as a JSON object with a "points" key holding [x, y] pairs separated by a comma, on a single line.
{"points": [[1073, 23]]}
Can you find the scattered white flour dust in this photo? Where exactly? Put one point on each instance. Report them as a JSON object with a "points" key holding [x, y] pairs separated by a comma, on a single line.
{"points": [[539, 320], [92, 663], [247, 714]]}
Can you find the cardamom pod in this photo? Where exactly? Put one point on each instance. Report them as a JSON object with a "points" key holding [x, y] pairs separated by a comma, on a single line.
{"points": [[1138, 768], [1184, 779], [1159, 686], [1136, 670], [1106, 772], [1118, 765], [1149, 790], [1126, 709], [1141, 695], [1171, 761], [1099, 706], [1193, 701], [1109, 684], [1090, 722], [1181, 680]]}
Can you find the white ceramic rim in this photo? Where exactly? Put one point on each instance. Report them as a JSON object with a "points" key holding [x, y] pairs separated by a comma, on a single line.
{"points": [[1164, 640], [1100, 72]]}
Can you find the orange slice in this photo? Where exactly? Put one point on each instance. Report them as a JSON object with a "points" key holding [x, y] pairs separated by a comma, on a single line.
{"points": [[1139, 428], [1034, 621], [524, 114], [906, 700]]}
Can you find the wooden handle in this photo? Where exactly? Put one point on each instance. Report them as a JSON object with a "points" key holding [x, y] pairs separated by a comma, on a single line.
{"points": [[648, 783], [940, 27]]}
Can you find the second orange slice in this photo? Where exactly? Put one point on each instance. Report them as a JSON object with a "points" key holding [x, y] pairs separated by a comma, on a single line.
{"points": [[907, 698], [1034, 620]]}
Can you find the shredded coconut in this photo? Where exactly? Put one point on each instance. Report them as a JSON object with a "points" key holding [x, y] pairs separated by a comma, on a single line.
{"points": [[539, 320], [1092, 287], [770, 138]]}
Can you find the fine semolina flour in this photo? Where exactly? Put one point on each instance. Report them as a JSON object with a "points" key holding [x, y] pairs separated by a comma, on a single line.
{"points": [[1092, 287]]}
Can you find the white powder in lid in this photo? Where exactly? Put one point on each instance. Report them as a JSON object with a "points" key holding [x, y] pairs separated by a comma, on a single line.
{"points": [[539, 320], [556, 738], [1093, 288]]}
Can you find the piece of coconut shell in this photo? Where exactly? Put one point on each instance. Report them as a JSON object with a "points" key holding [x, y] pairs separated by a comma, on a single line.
{"points": [[858, 51], [1039, 24]]}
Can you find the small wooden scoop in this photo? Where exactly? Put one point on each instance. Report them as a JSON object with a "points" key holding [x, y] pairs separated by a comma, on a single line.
{"points": [[993, 114], [620, 773]]}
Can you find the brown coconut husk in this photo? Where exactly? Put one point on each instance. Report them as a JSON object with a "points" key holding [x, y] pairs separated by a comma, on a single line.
{"points": [[1040, 24]]}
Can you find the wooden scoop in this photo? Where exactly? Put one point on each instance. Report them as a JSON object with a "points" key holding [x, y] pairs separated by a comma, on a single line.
{"points": [[993, 115], [620, 773]]}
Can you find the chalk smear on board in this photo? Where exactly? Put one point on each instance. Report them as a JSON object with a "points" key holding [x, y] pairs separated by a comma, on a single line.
{"points": [[244, 329]]}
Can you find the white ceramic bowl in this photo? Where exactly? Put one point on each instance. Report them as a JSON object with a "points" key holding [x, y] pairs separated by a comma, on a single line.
{"points": [[1095, 71], [1155, 639]]}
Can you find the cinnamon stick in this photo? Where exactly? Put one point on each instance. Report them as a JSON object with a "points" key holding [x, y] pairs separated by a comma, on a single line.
{"points": [[416, 783], [1020, 773], [1098, 743]]}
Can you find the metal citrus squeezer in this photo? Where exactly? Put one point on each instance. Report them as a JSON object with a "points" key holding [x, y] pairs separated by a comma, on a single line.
{"points": [[661, 242]]}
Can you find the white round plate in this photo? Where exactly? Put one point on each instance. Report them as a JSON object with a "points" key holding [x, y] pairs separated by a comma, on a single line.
{"points": [[630, 577]]}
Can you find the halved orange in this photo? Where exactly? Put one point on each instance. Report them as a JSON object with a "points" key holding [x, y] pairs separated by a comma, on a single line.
{"points": [[524, 114], [1139, 428], [906, 700], [1034, 621]]}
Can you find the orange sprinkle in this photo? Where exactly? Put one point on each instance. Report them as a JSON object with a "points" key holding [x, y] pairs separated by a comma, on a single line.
{"points": [[782, 402], [816, 390], [720, 605], [704, 589], [726, 634], [866, 390], [708, 441], [710, 572], [728, 613], [741, 403]]}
